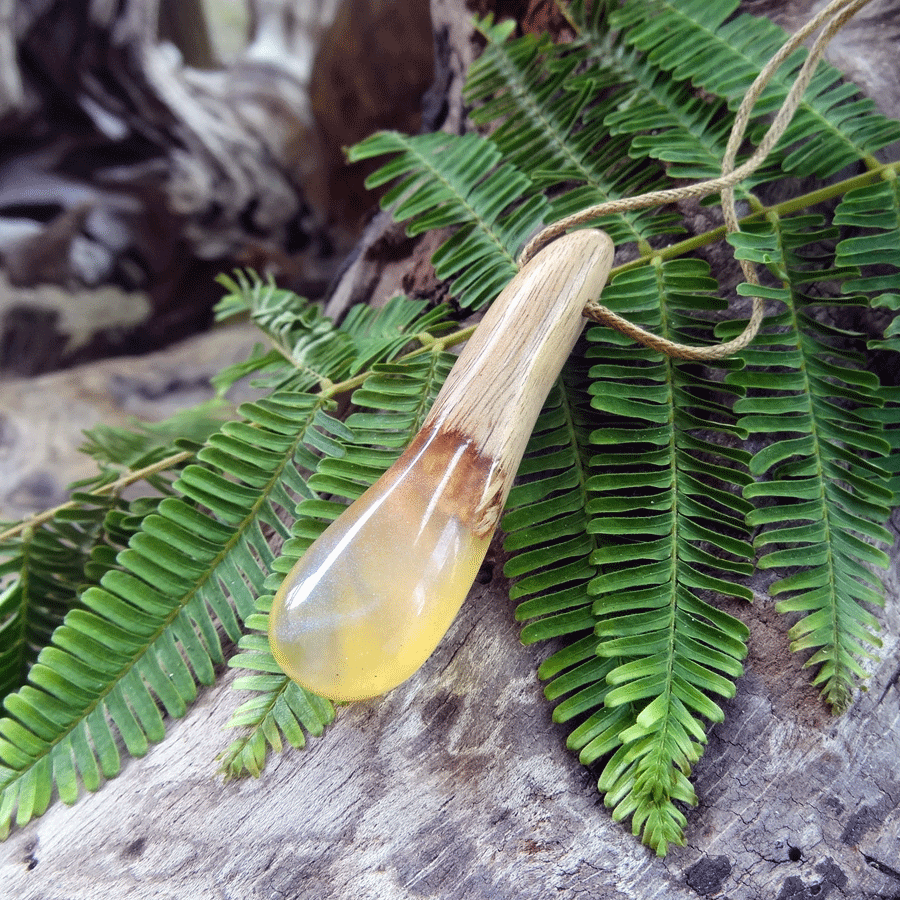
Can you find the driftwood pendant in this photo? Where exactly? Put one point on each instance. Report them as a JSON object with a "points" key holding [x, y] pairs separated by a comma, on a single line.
{"points": [[369, 601]]}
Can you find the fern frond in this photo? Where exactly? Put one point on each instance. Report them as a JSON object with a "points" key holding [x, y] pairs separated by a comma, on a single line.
{"points": [[147, 634], [313, 350], [49, 565], [703, 43], [824, 500], [663, 530], [141, 444], [300, 333], [442, 181], [680, 543], [553, 125], [392, 404], [45, 573], [53, 560], [279, 710]]}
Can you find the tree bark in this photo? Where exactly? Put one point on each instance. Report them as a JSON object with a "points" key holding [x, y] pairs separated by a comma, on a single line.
{"points": [[458, 783]]}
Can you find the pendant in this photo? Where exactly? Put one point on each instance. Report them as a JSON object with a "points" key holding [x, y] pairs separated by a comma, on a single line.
{"points": [[372, 597]]}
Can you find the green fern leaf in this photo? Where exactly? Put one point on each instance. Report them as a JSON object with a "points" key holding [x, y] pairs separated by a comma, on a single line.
{"points": [[300, 333], [142, 444], [684, 539], [313, 350], [668, 121], [703, 43], [638, 516], [47, 569], [442, 181], [825, 498], [147, 634], [553, 127], [49, 566], [280, 709]]}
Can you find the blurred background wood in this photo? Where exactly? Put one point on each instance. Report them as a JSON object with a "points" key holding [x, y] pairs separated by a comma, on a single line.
{"points": [[131, 161]]}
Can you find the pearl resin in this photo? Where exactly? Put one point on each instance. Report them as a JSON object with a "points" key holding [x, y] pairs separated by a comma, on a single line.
{"points": [[372, 597]]}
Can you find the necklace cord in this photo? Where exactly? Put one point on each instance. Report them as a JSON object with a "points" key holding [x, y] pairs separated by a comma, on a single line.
{"points": [[833, 17]]}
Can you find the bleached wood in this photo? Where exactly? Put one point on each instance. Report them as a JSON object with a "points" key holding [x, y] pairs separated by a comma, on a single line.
{"points": [[497, 387], [458, 786]]}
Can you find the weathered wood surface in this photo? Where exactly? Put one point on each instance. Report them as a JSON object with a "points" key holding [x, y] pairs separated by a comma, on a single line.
{"points": [[42, 418], [458, 785], [133, 169], [122, 165]]}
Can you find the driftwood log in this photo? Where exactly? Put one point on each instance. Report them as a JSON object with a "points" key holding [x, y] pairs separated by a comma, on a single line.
{"points": [[128, 172], [133, 169], [458, 784]]}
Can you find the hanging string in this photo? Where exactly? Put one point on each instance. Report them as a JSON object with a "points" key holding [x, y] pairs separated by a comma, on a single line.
{"points": [[833, 17]]}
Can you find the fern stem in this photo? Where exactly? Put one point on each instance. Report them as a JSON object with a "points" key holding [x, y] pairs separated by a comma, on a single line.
{"points": [[112, 488], [785, 208], [434, 345], [328, 391], [829, 192]]}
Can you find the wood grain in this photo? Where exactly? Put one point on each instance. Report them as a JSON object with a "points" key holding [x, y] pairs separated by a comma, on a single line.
{"points": [[498, 386], [458, 786]]}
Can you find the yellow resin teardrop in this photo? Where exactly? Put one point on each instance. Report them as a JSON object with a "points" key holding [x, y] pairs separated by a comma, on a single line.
{"points": [[372, 597], [369, 601]]}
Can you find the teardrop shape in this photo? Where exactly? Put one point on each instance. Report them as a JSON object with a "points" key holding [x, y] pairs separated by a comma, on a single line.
{"points": [[372, 597]]}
